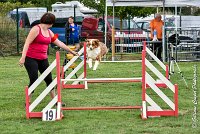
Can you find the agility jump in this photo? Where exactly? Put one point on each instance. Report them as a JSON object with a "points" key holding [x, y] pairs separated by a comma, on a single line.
{"points": [[149, 107]]}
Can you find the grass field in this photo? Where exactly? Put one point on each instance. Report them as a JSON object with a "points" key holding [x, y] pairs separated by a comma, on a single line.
{"points": [[12, 110]]}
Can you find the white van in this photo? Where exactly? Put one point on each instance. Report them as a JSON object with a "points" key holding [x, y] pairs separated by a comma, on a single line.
{"points": [[32, 9], [28, 15]]}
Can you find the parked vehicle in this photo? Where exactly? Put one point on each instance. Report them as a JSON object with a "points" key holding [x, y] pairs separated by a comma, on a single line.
{"points": [[69, 6], [144, 25], [23, 20], [183, 42], [27, 15]]}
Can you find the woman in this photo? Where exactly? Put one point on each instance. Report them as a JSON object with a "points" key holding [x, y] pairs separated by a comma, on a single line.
{"points": [[72, 33], [34, 54]]}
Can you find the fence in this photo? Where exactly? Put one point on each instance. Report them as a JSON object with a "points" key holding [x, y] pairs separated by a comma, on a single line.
{"points": [[130, 42], [13, 33], [183, 44], [9, 36]]}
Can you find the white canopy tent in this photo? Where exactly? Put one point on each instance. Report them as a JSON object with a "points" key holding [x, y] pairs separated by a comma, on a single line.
{"points": [[150, 3], [153, 3]]}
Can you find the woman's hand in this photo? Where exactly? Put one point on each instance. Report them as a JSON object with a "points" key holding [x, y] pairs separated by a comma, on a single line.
{"points": [[21, 61], [75, 53]]}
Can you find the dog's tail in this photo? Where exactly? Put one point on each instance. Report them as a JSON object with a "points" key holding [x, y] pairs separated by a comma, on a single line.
{"points": [[104, 49]]}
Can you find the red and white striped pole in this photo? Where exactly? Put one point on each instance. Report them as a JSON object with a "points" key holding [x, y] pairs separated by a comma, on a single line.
{"points": [[85, 66], [62, 75], [144, 107], [27, 103], [167, 72], [176, 100], [58, 85]]}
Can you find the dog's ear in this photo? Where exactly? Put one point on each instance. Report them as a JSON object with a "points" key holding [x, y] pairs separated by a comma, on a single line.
{"points": [[86, 40], [96, 41]]}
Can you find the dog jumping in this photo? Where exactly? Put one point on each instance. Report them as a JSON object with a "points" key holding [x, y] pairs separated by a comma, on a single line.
{"points": [[95, 51]]}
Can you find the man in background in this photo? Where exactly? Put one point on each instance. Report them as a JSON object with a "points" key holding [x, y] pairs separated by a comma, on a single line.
{"points": [[156, 34]]}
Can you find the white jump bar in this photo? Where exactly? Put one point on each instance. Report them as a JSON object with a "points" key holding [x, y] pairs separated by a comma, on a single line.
{"points": [[128, 61], [103, 79]]}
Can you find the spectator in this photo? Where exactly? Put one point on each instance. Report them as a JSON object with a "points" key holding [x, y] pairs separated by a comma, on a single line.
{"points": [[72, 33], [156, 28]]}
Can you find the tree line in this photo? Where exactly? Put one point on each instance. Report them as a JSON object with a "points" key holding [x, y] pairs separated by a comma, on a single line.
{"points": [[121, 12]]}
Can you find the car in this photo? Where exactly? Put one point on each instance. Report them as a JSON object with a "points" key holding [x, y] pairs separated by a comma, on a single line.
{"points": [[187, 43], [27, 15], [23, 20], [144, 25], [184, 44]]}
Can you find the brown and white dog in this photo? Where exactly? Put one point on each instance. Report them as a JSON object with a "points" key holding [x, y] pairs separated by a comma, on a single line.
{"points": [[95, 51]]}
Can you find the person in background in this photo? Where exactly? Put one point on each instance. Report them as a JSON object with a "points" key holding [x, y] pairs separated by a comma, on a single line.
{"points": [[34, 55], [156, 34], [72, 33]]}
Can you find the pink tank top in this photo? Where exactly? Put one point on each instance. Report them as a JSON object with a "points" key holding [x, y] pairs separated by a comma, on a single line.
{"points": [[39, 47]]}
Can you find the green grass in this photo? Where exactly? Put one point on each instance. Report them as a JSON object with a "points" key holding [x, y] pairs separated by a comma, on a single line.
{"points": [[12, 111]]}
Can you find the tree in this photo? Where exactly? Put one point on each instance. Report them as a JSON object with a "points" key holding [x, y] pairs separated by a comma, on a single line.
{"points": [[99, 6], [8, 6], [44, 3], [3, 0], [121, 12]]}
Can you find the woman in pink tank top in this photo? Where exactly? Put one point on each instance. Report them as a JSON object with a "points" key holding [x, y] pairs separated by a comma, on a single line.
{"points": [[34, 54], [38, 48]]}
